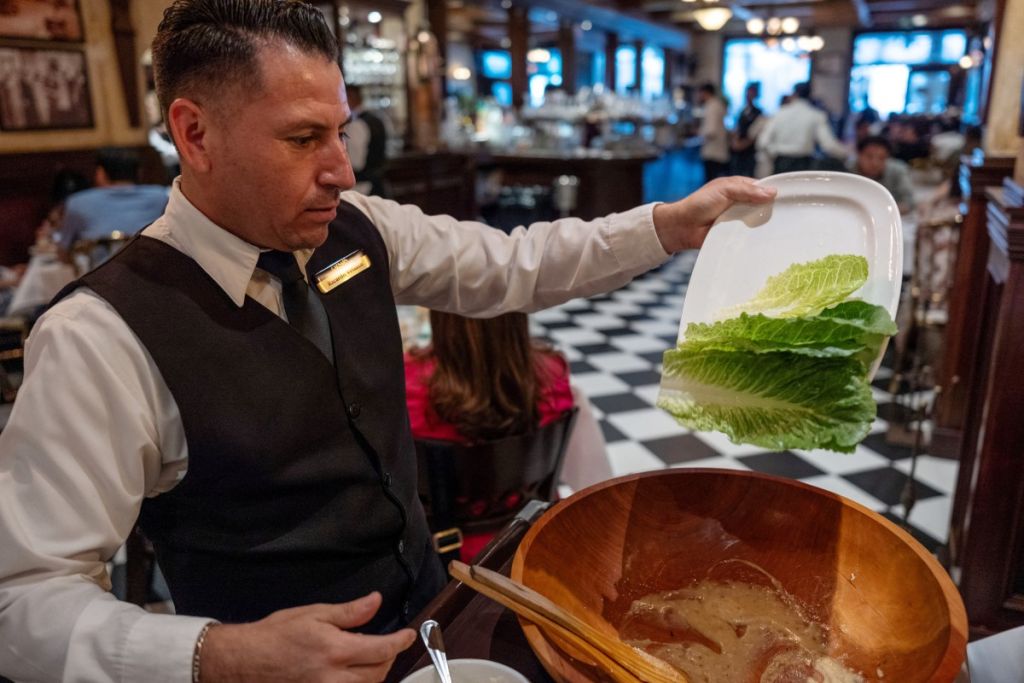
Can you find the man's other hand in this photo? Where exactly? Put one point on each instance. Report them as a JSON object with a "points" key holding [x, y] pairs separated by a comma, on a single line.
{"points": [[684, 224], [307, 644]]}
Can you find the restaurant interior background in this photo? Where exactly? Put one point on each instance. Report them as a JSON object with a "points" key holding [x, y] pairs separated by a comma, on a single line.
{"points": [[516, 111]]}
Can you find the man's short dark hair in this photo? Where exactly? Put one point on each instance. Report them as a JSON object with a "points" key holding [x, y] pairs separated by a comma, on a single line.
{"points": [[203, 46], [874, 140], [708, 88], [802, 90], [120, 163]]}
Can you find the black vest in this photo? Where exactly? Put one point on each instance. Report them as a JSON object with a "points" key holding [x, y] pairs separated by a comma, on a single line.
{"points": [[746, 119], [301, 482], [376, 154]]}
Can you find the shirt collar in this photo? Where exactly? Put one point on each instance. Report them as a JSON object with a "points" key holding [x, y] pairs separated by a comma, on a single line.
{"points": [[226, 258]]}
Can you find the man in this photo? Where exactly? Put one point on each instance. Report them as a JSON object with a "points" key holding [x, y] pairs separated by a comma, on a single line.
{"points": [[367, 145], [789, 138], [714, 149], [255, 425], [874, 161], [748, 127], [116, 203]]}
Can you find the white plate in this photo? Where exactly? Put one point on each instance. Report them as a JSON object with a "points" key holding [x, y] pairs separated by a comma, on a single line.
{"points": [[816, 213], [470, 671]]}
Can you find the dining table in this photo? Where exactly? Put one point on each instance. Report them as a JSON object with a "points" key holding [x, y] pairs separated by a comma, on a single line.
{"points": [[45, 275]]}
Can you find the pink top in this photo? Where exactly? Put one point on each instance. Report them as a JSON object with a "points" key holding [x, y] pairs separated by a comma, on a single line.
{"points": [[555, 398]]}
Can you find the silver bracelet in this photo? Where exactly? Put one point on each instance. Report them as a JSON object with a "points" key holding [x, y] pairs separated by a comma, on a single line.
{"points": [[198, 651]]}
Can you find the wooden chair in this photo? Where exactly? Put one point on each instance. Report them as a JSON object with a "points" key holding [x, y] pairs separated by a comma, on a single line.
{"points": [[471, 489]]}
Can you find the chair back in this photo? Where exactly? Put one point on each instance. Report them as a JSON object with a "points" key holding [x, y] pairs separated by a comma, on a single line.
{"points": [[479, 487]]}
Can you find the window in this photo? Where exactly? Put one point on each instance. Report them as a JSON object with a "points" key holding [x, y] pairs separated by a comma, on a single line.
{"points": [[625, 69], [654, 72], [904, 71], [749, 60]]}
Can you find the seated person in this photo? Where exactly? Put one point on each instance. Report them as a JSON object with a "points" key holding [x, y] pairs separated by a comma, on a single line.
{"points": [[873, 161], [483, 380], [117, 203]]}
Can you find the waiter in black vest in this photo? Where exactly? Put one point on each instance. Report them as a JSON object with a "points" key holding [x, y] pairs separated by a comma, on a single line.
{"points": [[232, 380], [367, 144]]}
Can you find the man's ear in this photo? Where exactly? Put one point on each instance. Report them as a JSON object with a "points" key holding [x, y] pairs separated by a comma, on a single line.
{"points": [[189, 125]]}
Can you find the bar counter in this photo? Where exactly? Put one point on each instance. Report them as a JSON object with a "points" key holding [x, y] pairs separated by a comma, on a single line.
{"points": [[610, 182]]}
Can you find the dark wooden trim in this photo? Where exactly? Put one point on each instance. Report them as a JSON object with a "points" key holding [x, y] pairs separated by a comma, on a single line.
{"points": [[611, 48], [519, 35], [962, 330], [567, 46], [437, 17], [638, 66], [127, 62], [991, 527], [995, 31]]}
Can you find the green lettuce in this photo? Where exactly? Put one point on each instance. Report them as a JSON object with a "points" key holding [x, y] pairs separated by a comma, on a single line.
{"points": [[772, 400], [792, 380], [807, 288]]}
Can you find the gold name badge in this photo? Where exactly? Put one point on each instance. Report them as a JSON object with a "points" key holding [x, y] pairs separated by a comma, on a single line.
{"points": [[342, 271]]}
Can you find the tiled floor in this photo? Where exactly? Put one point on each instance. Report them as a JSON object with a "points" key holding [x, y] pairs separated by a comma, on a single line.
{"points": [[615, 343]]}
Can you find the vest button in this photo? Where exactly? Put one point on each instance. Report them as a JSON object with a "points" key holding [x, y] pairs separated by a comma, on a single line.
{"points": [[354, 409], [401, 546], [388, 479]]}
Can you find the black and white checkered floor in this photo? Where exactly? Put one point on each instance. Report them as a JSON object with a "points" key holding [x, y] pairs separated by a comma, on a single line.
{"points": [[615, 343]]}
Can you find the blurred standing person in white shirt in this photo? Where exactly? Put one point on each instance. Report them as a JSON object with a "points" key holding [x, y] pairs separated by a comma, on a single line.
{"points": [[790, 137], [714, 150]]}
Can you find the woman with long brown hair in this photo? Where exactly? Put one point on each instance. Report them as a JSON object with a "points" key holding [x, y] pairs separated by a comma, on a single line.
{"points": [[484, 379]]}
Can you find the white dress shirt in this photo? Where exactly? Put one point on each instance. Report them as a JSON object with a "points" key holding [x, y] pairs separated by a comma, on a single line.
{"points": [[95, 428], [796, 128], [714, 136], [358, 146]]}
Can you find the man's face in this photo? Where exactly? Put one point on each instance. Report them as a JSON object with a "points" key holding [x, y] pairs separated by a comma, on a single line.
{"points": [[871, 160], [277, 160]]}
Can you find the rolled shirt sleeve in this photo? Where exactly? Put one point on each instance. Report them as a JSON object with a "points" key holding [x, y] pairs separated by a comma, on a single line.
{"points": [[472, 269]]}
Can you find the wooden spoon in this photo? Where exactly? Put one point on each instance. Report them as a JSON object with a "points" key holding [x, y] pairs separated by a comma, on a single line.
{"points": [[624, 663]]}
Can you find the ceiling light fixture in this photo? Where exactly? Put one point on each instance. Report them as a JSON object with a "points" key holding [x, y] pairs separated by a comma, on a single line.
{"points": [[586, 25], [712, 18], [919, 20], [774, 26], [790, 25], [755, 25], [374, 17]]}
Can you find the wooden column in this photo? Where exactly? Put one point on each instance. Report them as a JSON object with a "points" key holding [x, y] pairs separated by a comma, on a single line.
{"points": [[959, 361], [991, 494], [519, 33], [437, 17], [638, 77], [611, 47], [670, 58], [567, 46], [124, 45]]}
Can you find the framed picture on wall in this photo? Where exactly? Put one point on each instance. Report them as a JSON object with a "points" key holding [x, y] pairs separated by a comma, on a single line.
{"points": [[43, 88], [41, 19]]}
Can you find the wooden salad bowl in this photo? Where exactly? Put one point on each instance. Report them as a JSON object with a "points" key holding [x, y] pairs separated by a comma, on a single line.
{"points": [[889, 605]]}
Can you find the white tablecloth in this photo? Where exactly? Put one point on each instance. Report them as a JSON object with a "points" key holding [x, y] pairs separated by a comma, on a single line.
{"points": [[44, 277], [998, 658]]}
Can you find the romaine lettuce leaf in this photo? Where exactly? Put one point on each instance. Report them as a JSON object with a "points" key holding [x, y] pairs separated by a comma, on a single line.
{"points": [[850, 329], [806, 288], [773, 400]]}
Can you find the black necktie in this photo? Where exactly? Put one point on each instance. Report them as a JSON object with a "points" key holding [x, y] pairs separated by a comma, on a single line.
{"points": [[301, 304]]}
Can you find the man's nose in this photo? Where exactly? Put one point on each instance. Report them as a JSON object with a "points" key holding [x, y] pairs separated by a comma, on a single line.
{"points": [[336, 169]]}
